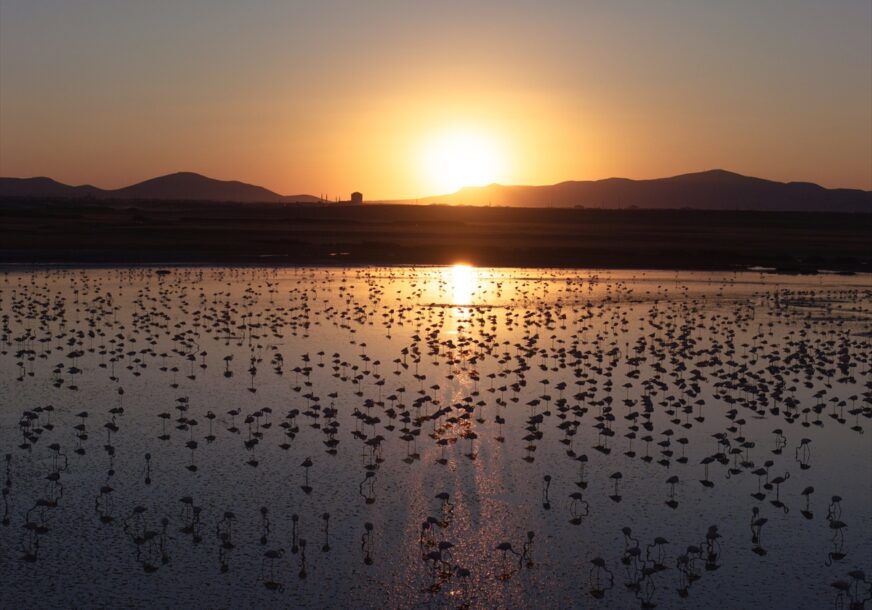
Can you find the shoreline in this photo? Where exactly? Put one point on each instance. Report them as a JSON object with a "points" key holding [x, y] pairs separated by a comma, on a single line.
{"points": [[6, 266]]}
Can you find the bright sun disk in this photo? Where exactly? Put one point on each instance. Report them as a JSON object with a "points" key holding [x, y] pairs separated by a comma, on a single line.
{"points": [[462, 158]]}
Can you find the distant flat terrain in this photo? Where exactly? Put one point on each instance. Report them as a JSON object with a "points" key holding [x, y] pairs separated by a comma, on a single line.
{"points": [[76, 231]]}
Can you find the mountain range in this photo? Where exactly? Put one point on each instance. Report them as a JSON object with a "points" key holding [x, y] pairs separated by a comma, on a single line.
{"points": [[181, 186], [708, 190]]}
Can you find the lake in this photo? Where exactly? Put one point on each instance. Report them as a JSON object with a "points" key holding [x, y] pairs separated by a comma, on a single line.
{"points": [[441, 437]]}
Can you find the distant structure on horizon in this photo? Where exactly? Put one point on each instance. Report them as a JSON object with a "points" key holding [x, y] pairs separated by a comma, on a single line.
{"points": [[357, 198]]}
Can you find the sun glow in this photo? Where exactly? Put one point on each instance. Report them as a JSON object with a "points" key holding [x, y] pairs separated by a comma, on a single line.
{"points": [[454, 159]]}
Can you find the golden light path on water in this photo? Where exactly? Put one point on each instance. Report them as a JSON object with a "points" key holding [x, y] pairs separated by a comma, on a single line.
{"points": [[464, 278]]}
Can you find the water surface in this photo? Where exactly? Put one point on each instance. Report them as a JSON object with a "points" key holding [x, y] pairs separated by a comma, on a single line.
{"points": [[519, 393]]}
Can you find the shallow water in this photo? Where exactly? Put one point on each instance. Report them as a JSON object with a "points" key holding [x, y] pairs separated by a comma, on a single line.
{"points": [[338, 365]]}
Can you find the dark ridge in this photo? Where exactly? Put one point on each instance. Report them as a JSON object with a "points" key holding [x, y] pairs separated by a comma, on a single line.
{"points": [[710, 190], [181, 186]]}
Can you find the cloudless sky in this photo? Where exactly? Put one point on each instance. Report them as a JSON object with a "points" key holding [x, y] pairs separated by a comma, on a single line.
{"points": [[329, 96]]}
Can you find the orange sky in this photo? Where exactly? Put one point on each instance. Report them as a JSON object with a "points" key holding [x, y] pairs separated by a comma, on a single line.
{"points": [[333, 96]]}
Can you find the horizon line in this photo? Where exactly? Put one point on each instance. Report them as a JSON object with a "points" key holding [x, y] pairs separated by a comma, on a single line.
{"points": [[408, 199]]}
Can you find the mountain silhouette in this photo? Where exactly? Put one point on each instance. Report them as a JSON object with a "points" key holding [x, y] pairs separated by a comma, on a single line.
{"points": [[709, 190], [44, 187], [191, 186], [181, 186]]}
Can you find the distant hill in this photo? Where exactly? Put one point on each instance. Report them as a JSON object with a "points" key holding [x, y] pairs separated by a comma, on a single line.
{"points": [[181, 186], [44, 187], [709, 190]]}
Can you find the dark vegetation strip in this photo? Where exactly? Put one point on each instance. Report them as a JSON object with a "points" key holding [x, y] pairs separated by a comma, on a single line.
{"points": [[114, 232]]}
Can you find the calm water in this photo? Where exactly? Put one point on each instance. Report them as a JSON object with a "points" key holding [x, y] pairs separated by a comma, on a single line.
{"points": [[518, 393]]}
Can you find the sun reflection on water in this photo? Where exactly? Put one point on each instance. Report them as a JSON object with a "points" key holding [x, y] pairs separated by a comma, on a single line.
{"points": [[463, 281]]}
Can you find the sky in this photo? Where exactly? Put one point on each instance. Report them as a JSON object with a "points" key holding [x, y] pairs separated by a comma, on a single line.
{"points": [[403, 99]]}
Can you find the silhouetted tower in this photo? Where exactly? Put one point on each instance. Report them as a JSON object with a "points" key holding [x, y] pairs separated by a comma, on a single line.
{"points": [[356, 198]]}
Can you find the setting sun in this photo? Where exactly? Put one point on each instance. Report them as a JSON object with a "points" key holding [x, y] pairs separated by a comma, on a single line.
{"points": [[459, 158], [456, 291]]}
